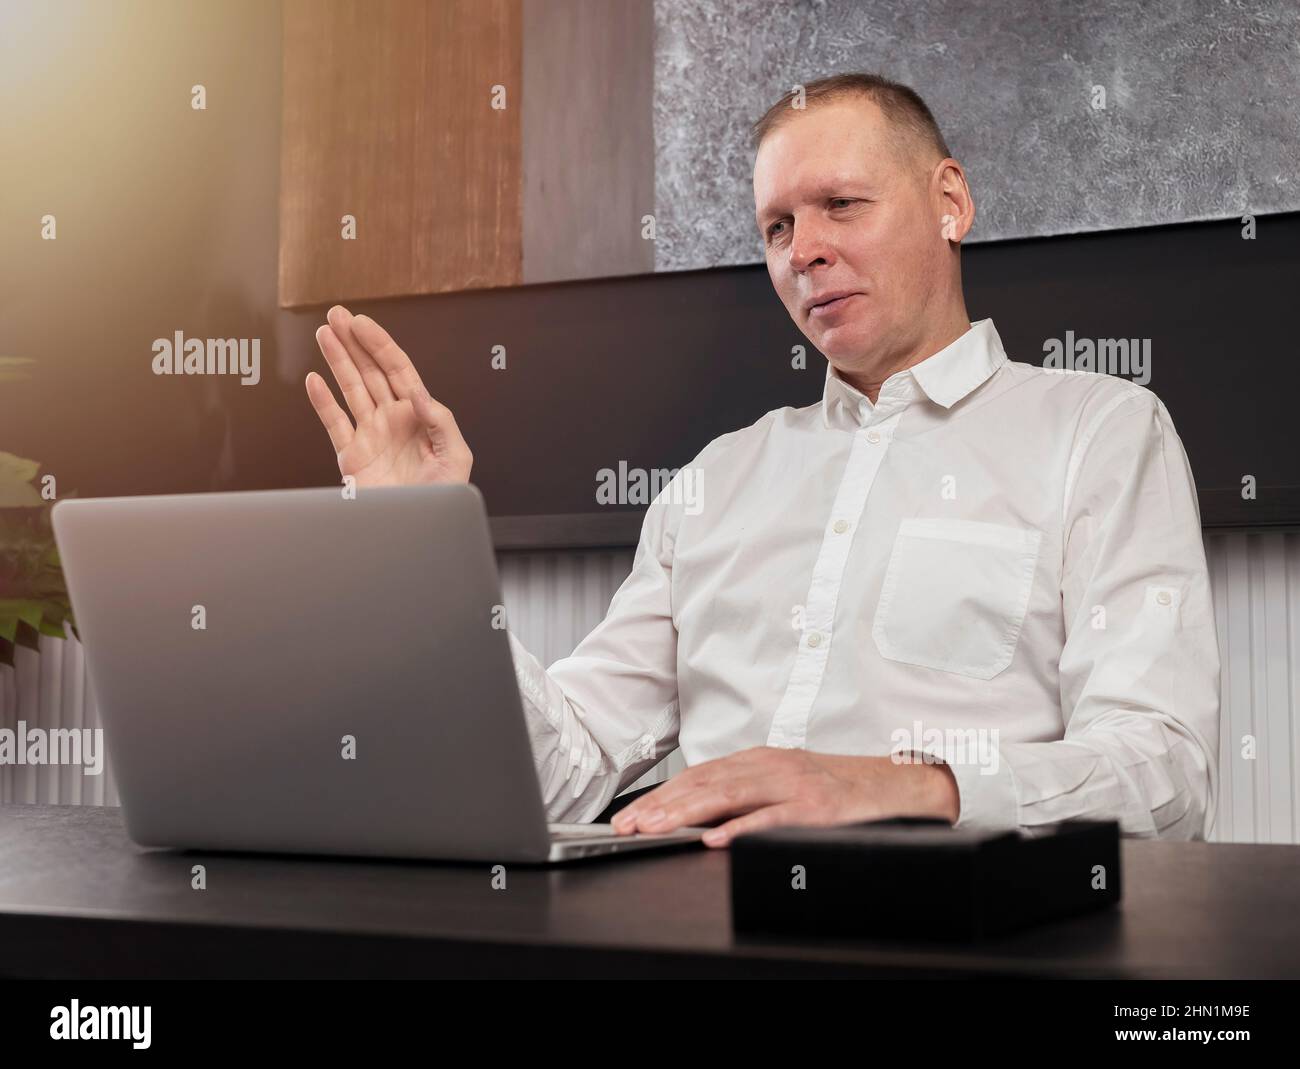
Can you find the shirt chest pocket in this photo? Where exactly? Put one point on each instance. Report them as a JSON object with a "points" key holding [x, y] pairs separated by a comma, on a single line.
{"points": [[955, 594]]}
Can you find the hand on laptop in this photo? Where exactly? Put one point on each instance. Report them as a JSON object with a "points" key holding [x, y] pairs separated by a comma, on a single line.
{"points": [[768, 787], [402, 436]]}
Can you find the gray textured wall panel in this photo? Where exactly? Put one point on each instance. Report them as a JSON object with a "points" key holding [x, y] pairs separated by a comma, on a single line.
{"points": [[1202, 118]]}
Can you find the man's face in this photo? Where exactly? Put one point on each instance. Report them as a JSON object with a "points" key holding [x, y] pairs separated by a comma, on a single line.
{"points": [[843, 210]]}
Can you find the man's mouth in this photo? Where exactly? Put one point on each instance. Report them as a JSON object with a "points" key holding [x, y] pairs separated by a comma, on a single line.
{"points": [[830, 304]]}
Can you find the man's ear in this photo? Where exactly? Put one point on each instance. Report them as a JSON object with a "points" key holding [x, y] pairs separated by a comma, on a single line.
{"points": [[957, 214]]}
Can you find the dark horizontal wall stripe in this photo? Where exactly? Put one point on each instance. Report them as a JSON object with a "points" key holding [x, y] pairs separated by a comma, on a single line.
{"points": [[648, 370], [580, 530]]}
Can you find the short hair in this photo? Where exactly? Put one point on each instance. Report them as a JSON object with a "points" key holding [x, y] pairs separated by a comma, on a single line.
{"points": [[901, 105]]}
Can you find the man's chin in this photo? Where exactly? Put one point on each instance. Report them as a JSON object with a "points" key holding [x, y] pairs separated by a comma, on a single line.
{"points": [[842, 344]]}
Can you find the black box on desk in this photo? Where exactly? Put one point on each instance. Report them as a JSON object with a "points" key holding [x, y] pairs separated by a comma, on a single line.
{"points": [[916, 878]]}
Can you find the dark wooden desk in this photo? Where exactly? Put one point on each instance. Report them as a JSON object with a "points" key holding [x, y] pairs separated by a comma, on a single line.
{"points": [[78, 900]]}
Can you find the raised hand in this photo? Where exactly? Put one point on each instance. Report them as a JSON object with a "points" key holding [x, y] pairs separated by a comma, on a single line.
{"points": [[402, 437]]}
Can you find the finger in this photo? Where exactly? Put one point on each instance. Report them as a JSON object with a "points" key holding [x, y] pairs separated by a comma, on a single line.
{"points": [[402, 377], [341, 322], [336, 422], [625, 819], [709, 804], [683, 783], [686, 781], [355, 392], [772, 816]]}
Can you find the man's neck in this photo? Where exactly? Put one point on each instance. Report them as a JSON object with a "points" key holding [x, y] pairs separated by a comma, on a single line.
{"points": [[936, 341]]}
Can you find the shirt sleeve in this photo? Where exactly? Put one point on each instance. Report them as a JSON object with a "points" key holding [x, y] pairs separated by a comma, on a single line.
{"points": [[602, 717], [1139, 671]]}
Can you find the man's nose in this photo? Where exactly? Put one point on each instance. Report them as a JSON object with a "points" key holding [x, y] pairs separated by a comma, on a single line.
{"points": [[810, 245]]}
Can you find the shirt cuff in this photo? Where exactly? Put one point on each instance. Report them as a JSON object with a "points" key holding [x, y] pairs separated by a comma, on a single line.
{"points": [[988, 801]]}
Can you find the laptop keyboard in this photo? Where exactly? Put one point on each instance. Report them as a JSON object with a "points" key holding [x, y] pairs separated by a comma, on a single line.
{"points": [[581, 831]]}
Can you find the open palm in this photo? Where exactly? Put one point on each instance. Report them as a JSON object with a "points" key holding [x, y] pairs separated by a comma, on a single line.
{"points": [[402, 436]]}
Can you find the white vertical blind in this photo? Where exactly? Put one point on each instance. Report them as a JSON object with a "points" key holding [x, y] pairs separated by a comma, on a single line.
{"points": [[1256, 580], [555, 598]]}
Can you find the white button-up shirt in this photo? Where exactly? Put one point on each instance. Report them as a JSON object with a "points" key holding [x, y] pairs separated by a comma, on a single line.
{"points": [[997, 564]]}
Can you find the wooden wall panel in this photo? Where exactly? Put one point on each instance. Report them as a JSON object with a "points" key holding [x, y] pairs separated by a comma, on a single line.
{"points": [[387, 116]]}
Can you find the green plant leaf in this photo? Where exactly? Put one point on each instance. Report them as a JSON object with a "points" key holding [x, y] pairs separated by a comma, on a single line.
{"points": [[16, 475], [17, 611], [31, 575]]}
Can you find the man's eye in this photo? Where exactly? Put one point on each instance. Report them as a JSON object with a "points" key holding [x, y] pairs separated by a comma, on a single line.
{"points": [[841, 200], [771, 230]]}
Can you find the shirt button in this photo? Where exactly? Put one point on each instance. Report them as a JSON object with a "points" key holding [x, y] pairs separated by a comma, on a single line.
{"points": [[814, 640], [1163, 597], [873, 437], [841, 526]]}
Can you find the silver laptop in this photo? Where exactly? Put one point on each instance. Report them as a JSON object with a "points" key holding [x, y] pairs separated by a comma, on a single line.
{"points": [[296, 671]]}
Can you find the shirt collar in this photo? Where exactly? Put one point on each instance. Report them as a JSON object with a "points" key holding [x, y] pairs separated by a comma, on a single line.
{"points": [[945, 378]]}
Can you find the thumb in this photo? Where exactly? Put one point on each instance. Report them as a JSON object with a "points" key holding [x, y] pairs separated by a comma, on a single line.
{"points": [[444, 437], [428, 411], [439, 423]]}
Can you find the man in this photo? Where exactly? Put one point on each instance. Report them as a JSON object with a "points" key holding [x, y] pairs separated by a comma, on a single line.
{"points": [[957, 587]]}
